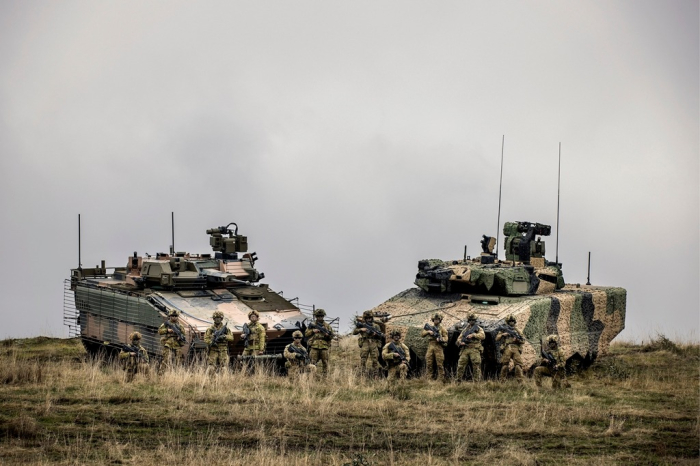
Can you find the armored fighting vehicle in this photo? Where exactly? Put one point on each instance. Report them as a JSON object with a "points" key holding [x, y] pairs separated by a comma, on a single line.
{"points": [[524, 285], [104, 306]]}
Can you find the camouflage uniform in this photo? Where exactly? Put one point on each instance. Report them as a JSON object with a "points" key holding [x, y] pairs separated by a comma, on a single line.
{"points": [[217, 356], [435, 356], [256, 340], [558, 371], [134, 363], [470, 353], [296, 364], [369, 344], [171, 344], [398, 369], [319, 343], [512, 350]]}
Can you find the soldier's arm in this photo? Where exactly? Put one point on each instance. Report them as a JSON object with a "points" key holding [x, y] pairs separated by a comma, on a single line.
{"points": [[144, 354], [331, 334], [288, 354], [386, 354], [407, 352], [208, 336], [480, 335], [443, 333], [229, 334], [261, 337], [309, 332], [424, 333], [163, 329], [123, 354]]}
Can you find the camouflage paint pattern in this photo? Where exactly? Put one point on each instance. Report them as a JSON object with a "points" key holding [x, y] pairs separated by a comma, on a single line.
{"points": [[586, 318]]}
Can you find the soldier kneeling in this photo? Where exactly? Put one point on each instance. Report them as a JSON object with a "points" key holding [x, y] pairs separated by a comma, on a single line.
{"points": [[298, 360], [553, 365], [134, 357], [397, 356]]}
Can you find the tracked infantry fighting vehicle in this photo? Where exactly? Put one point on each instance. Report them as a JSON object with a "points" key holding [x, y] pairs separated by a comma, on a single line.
{"points": [[524, 285], [104, 306]]}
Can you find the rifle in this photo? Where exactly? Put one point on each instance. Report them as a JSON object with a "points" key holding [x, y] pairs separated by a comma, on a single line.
{"points": [[300, 351], [132, 349], [370, 330], [396, 349], [176, 330], [322, 329], [549, 358], [512, 332], [218, 335], [246, 335], [436, 332], [472, 330]]}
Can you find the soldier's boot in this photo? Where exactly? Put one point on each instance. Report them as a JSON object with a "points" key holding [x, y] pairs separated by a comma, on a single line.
{"points": [[504, 373], [538, 378]]}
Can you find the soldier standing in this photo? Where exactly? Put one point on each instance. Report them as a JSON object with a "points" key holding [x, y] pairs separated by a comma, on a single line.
{"points": [[512, 349], [172, 341], [435, 356], [553, 365], [217, 338], [134, 358], [255, 344], [469, 342], [298, 360], [397, 356], [370, 342], [319, 335]]}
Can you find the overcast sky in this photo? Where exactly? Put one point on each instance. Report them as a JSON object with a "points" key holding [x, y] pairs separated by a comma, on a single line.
{"points": [[350, 140]]}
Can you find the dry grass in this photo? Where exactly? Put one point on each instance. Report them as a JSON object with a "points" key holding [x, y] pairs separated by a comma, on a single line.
{"points": [[636, 406]]}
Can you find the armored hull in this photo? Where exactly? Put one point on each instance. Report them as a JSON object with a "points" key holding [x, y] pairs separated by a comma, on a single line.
{"points": [[586, 318], [105, 306]]}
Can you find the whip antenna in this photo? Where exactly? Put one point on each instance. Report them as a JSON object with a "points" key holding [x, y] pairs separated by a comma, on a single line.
{"points": [[172, 227], [558, 191], [80, 264], [500, 187]]}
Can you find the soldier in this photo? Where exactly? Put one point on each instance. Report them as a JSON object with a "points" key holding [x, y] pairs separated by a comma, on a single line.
{"points": [[256, 340], [370, 342], [435, 356], [554, 367], [469, 342], [512, 349], [298, 360], [397, 356], [319, 335], [171, 340], [135, 358], [217, 338]]}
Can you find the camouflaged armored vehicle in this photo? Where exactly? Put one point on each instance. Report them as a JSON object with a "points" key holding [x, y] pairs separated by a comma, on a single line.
{"points": [[524, 285], [103, 307]]}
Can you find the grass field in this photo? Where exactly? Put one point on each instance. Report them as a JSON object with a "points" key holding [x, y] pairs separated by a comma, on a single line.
{"points": [[639, 405]]}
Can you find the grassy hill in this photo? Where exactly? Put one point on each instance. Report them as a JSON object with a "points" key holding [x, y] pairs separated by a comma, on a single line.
{"points": [[639, 405]]}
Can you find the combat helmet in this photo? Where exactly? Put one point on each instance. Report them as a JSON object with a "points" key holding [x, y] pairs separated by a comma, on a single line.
{"points": [[320, 312], [217, 315], [253, 313], [173, 313], [553, 339], [367, 315], [437, 316], [297, 334], [471, 317], [395, 333], [510, 318], [135, 336]]}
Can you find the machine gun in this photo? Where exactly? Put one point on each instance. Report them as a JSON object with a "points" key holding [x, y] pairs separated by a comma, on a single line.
{"points": [[549, 358], [300, 353], [326, 333], [436, 332], [471, 331], [176, 330], [246, 335], [132, 349], [371, 331], [398, 350], [218, 335], [512, 332]]}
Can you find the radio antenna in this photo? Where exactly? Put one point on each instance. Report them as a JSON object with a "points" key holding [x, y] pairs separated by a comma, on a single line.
{"points": [[500, 187], [172, 227], [558, 191], [80, 263], [588, 280]]}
